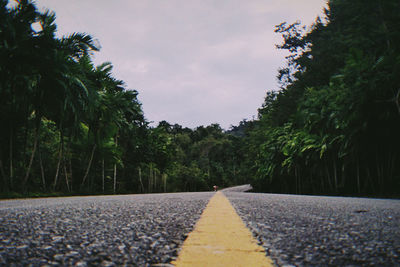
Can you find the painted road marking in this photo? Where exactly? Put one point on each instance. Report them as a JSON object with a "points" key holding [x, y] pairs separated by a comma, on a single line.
{"points": [[220, 238]]}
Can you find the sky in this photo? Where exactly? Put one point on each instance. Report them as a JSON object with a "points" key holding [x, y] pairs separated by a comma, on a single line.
{"points": [[193, 62]]}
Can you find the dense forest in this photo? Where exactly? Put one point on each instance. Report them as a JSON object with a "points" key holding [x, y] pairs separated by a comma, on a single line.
{"points": [[333, 127]]}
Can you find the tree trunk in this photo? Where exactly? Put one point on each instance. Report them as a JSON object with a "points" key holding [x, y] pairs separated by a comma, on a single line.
{"points": [[28, 171], [397, 100], [5, 187], [60, 155], [70, 173], [380, 164], [140, 178], [11, 158], [66, 177], [165, 182], [42, 169], [25, 138], [385, 29], [358, 177], [370, 180], [392, 168], [102, 174], [234, 168], [68, 162], [115, 167], [379, 172], [297, 181], [343, 180], [150, 174], [314, 186], [115, 178], [330, 187], [89, 165], [322, 182], [335, 176], [155, 179]]}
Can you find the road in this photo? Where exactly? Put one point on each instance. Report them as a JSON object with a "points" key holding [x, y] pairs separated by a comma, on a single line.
{"points": [[147, 230], [323, 231], [135, 230]]}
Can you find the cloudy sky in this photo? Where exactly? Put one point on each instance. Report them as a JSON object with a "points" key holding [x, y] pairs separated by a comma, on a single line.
{"points": [[194, 62]]}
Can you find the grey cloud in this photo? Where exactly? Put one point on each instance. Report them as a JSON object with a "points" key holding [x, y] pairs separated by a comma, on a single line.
{"points": [[193, 62]]}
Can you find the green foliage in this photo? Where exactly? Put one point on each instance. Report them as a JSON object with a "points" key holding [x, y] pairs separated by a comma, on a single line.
{"points": [[61, 116], [70, 126], [333, 127]]}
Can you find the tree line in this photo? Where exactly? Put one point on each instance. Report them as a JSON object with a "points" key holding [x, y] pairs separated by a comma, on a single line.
{"points": [[334, 125], [71, 127]]}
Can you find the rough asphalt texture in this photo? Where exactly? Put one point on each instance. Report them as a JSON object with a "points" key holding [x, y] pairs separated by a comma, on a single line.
{"points": [[147, 230], [130, 230], [323, 231]]}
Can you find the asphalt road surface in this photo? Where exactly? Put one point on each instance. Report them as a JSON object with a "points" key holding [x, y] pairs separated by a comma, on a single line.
{"points": [[132, 230], [323, 231], [147, 230]]}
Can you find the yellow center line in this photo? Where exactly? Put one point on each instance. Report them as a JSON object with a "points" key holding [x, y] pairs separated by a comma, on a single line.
{"points": [[220, 238]]}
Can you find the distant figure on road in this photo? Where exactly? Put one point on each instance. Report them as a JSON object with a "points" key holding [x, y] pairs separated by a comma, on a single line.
{"points": [[215, 188]]}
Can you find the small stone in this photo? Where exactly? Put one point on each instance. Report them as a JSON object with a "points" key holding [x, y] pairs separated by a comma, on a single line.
{"points": [[81, 264], [134, 248], [57, 239], [157, 235], [58, 257], [107, 263], [72, 254], [154, 244]]}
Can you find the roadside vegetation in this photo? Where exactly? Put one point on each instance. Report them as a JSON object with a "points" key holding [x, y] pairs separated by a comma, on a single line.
{"points": [[70, 127]]}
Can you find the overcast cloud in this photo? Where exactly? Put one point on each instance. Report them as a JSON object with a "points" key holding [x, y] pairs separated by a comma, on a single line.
{"points": [[194, 62]]}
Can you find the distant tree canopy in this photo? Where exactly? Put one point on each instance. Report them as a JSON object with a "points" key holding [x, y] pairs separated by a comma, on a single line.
{"points": [[333, 127]]}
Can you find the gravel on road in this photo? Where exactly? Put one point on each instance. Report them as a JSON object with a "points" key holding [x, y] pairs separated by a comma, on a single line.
{"points": [[129, 230], [323, 231], [147, 230]]}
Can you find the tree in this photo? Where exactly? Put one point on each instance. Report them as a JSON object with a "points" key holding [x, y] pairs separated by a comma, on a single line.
{"points": [[315, 133]]}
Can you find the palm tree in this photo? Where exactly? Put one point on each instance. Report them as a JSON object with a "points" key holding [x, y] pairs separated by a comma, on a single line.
{"points": [[58, 86], [19, 75]]}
